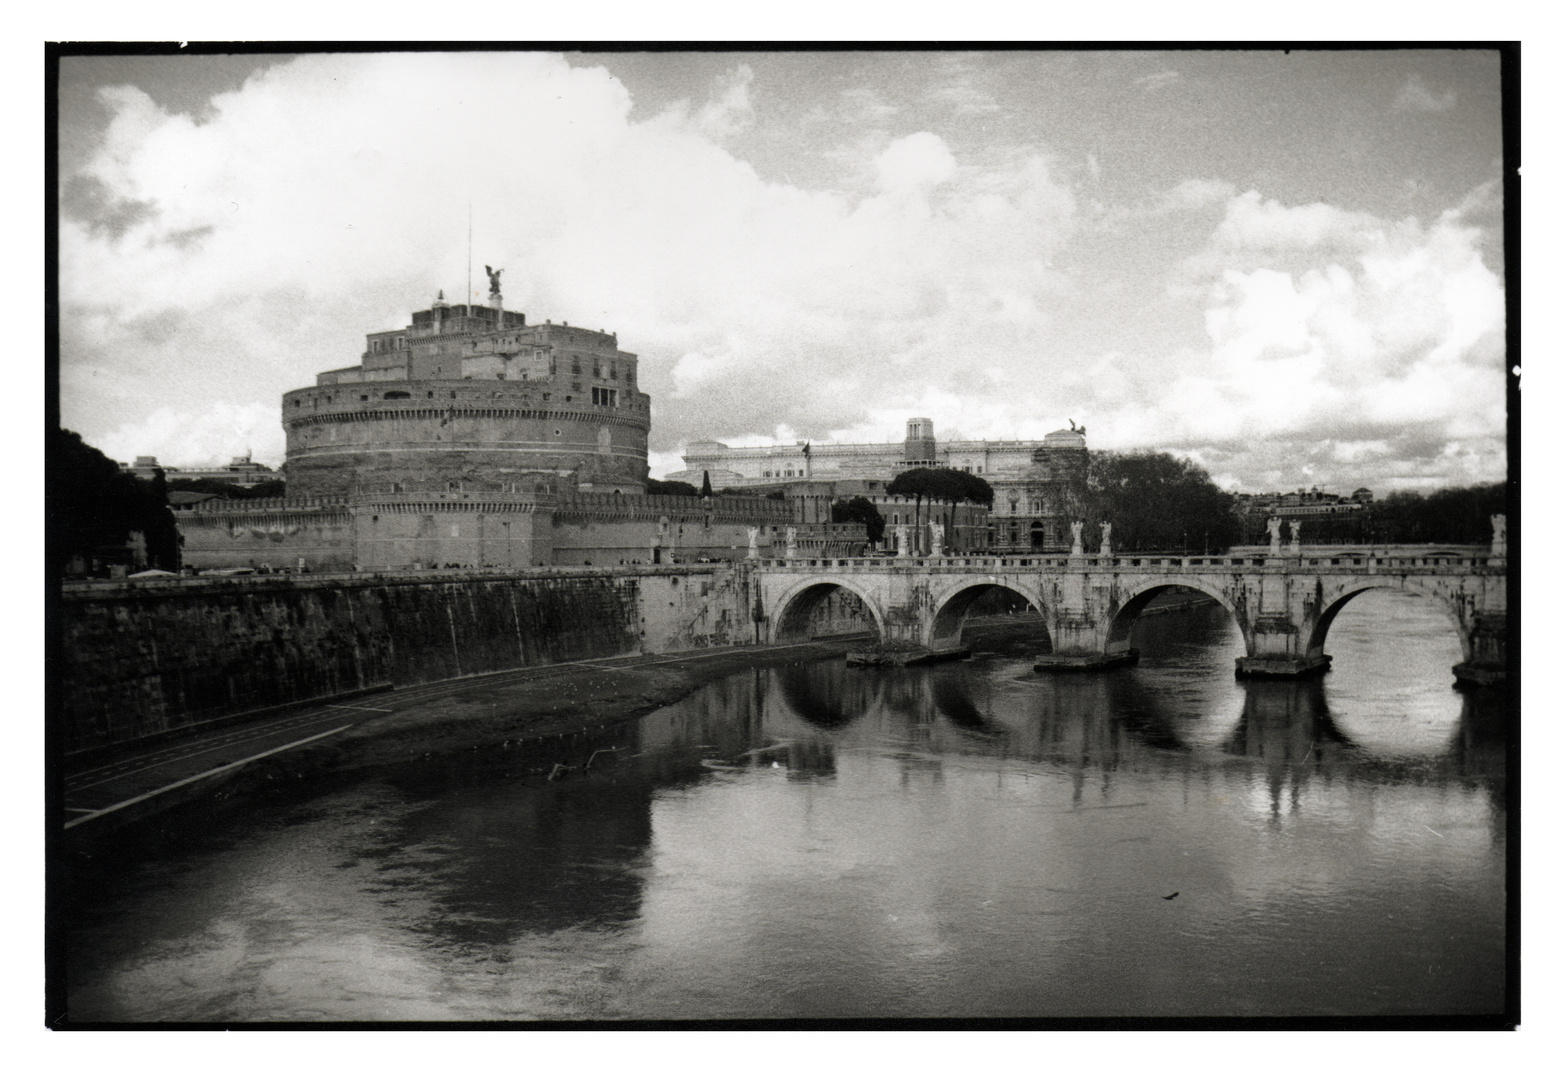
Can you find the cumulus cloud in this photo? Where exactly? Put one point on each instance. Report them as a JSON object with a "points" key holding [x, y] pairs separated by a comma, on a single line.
{"points": [[730, 111], [915, 161], [329, 197], [1158, 80], [1334, 334], [1417, 97]]}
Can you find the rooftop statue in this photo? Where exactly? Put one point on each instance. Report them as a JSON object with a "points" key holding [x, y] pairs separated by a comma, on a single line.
{"points": [[494, 278]]}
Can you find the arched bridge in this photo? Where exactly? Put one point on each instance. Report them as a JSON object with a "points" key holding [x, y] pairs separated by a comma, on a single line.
{"points": [[1284, 604]]}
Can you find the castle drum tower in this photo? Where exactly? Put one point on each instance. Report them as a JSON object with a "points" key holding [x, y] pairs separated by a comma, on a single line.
{"points": [[470, 398]]}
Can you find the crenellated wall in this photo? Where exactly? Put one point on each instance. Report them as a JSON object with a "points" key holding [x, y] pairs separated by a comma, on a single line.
{"points": [[140, 659]]}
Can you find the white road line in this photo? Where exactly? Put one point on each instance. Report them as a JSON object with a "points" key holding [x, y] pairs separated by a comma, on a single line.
{"points": [[78, 782], [202, 775], [361, 708]]}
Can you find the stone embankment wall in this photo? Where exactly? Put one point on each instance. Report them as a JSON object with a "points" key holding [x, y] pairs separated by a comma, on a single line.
{"points": [[140, 659]]}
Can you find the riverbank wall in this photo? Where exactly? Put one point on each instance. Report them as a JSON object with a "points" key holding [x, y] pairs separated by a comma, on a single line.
{"points": [[140, 660]]}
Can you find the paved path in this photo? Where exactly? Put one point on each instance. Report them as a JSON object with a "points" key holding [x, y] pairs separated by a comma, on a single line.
{"points": [[94, 793]]}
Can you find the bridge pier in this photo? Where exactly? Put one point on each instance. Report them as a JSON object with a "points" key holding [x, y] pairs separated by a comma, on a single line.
{"points": [[1485, 658], [1279, 651], [1280, 667], [1077, 641]]}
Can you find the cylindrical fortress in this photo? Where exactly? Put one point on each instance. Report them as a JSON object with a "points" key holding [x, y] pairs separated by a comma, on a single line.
{"points": [[471, 398]]}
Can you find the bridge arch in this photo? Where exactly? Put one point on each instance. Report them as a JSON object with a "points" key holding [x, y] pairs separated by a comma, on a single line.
{"points": [[951, 607], [1117, 632], [1334, 600], [793, 609]]}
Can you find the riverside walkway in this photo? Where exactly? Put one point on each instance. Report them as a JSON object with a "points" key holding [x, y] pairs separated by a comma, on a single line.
{"points": [[141, 782]]}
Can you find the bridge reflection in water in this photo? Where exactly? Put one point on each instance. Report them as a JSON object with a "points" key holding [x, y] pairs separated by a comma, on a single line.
{"points": [[1388, 713]]}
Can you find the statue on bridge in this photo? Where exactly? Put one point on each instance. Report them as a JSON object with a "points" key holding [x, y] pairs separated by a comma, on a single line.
{"points": [[1497, 534], [937, 538], [1294, 537], [791, 551], [1076, 538], [902, 541], [754, 552], [1275, 534], [1103, 542]]}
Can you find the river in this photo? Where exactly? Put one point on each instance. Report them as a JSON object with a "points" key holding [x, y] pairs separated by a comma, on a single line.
{"points": [[969, 840]]}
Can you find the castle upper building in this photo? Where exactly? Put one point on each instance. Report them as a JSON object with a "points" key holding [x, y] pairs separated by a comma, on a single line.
{"points": [[469, 397]]}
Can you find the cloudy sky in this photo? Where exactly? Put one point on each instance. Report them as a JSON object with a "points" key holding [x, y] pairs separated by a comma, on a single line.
{"points": [[1286, 267]]}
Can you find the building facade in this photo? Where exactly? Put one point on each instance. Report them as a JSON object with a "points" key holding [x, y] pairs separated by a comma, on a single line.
{"points": [[240, 471], [1038, 485]]}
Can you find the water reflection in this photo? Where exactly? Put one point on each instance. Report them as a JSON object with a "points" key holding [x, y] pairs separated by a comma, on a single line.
{"points": [[972, 839]]}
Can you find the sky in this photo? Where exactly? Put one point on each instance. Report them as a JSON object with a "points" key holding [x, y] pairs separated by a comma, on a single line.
{"points": [[1287, 267]]}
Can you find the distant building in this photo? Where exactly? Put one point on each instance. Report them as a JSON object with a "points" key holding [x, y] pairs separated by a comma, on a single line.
{"points": [[1038, 485], [1323, 517], [240, 471]]}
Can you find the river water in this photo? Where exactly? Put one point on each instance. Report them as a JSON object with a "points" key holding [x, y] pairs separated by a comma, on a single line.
{"points": [[817, 841]]}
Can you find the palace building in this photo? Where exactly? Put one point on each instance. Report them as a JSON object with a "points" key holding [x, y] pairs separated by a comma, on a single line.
{"points": [[1038, 486]]}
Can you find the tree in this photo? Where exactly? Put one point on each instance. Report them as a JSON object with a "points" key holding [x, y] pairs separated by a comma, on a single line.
{"points": [[1158, 502], [950, 486], [266, 489], [92, 507], [670, 487], [706, 485], [917, 483], [954, 486], [862, 510]]}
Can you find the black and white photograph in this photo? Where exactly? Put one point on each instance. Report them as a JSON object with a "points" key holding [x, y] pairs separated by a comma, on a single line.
{"points": [[782, 536]]}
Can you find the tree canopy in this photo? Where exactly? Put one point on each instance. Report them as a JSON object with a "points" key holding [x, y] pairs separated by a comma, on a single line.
{"points": [[1158, 502], [862, 510], [949, 486], [266, 489], [671, 487], [92, 507], [1449, 516]]}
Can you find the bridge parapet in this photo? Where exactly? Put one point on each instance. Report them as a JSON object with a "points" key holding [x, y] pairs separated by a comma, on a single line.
{"points": [[1090, 564]]}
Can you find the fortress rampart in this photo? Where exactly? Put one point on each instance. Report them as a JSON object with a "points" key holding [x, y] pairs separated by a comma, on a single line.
{"points": [[477, 529]]}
